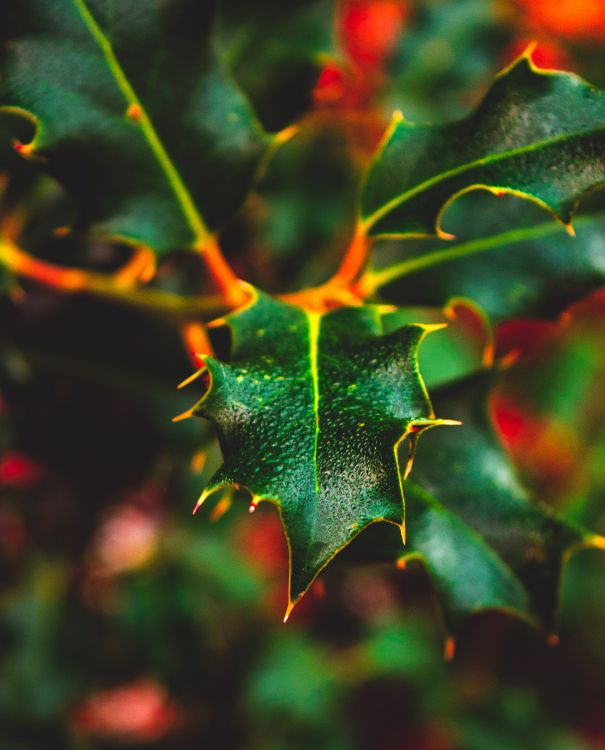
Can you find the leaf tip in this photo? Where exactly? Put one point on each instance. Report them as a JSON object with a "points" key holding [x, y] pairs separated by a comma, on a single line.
{"points": [[528, 52], [254, 503], [449, 648], [570, 230], [184, 415], [289, 609], [25, 150], [596, 541], [193, 376]]}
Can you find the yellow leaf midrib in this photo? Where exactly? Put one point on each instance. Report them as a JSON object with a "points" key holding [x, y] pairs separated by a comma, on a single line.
{"points": [[178, 187]]}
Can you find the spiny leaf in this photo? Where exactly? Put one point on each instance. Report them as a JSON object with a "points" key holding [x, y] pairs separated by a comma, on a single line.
{"points": [[540, 135], [134, 112], [530, 270], [485, 541], [309, 411]]}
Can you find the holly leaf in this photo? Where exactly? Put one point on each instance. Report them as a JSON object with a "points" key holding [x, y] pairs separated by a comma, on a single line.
{"points": [[310, 410], [485, 541], [539, 135], [533, 270], [275, 51], [135, 114]]}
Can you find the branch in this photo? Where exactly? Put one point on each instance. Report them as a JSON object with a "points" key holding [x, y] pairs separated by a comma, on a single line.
{"points": [[117, 287], [354, 260]]}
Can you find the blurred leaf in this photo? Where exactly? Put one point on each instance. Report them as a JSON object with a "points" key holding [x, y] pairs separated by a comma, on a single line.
{"points": [[138, 137], [275, 50], [447, 55]]}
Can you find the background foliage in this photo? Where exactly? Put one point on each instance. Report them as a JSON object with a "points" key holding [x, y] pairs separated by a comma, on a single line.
{"points": [[125, 622]]}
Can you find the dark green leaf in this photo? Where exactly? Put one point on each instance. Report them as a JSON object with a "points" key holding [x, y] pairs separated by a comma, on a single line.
{"points": [[134, 113], [309, 411], [539, 135], [535, 270], [275, 50], [486, 542]]}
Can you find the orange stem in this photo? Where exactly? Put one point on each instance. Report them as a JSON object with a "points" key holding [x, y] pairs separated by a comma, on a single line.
{"points": [[354, 260], [74, 280], [222, 274]]}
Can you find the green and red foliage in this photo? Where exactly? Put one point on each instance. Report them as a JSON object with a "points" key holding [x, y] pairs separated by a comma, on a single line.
{"points": [[236, 189]]}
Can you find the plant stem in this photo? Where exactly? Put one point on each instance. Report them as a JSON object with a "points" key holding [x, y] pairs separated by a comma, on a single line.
{"points": [[74, 281], [354, 260], [225, 280], [375, 280]]}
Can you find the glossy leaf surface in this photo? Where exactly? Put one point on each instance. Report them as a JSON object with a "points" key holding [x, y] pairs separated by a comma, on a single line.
{"points": [[535, 134], [309, 411]]}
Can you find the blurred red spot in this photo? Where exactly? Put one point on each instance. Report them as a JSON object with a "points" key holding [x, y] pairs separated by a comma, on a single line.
{"points": [[139, 712], [331, 85], [523, 336], [574, 19], [126, 539], [18, 469], [510, 421], [370, 29]]}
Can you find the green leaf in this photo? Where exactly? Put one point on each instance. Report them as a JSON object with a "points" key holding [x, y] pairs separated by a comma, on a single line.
{"points": [[134, 112], [534, 270], [275, 51], [485, 541], [540, 135], [309, 411]]}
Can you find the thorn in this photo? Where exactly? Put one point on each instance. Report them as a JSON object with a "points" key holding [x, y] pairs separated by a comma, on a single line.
{"points": [[284, 135], [432, 327], [570, 230], [200, 502], [403, 532], [529, 50], [253, 504], [597, 541], [134, 112], [184, 415], [449, 648], [447, 422], [398, 116], [216, 323], [23, 149], [289, 609], [445, 235], [553, 640], [193, 377], [410, 462]]}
